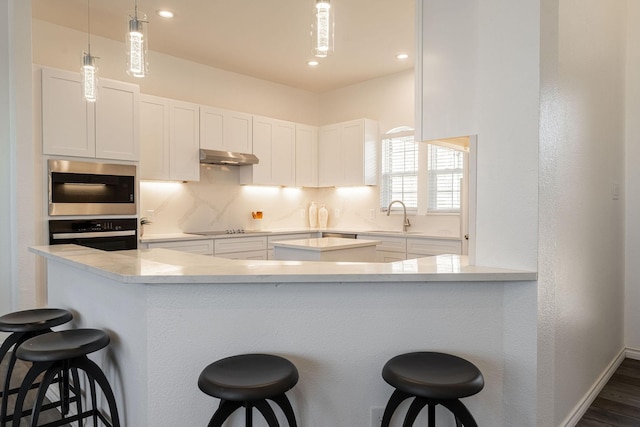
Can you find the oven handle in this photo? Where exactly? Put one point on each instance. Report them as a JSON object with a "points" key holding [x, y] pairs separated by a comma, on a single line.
{"points": [[59, 236]]}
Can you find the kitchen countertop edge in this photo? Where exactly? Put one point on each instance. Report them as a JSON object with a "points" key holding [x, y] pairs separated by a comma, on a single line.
{"points": [[165, 266]]}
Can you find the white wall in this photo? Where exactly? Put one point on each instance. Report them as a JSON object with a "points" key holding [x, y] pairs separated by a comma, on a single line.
{"points": [[581, 280], [172, 77], [6, 156], [17, 281], [632, 178]]}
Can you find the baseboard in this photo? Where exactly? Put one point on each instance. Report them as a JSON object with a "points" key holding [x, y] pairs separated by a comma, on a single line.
{"points": [[582, 407], [633, 353]]}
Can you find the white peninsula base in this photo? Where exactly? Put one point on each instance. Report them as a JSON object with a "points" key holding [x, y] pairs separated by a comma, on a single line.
{"points": [[169, 314]]}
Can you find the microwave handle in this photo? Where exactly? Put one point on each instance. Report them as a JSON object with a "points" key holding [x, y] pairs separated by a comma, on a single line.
{"points": [[60, 236]]}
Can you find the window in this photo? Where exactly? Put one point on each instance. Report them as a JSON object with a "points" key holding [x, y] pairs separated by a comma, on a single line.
{"points": [[434, 190], [444, 176], [399, 170]]}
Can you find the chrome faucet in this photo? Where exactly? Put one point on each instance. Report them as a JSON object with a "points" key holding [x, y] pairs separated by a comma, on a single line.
{"points": [[405, 224]]}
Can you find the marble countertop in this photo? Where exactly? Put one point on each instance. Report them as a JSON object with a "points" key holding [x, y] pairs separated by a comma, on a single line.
{"points": [[155, 266], [167, 237], [323, 244]]}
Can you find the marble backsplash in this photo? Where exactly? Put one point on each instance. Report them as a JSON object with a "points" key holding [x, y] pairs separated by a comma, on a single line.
{"points": [[219, 202]]}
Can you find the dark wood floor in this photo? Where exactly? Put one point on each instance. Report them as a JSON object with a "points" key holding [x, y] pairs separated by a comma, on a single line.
{"points": [[618, 404]]}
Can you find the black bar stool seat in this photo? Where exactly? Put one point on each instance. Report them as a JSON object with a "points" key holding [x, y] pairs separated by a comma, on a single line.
{"points": [[24, 325], [431, 379], [250, 380], [59, 354]]}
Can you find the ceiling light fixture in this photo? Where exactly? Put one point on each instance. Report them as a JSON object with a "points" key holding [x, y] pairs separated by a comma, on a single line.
{"points": [[322, 30], [313, 63], [89, 68], [137, 42], [402, 56], [165, 13]]}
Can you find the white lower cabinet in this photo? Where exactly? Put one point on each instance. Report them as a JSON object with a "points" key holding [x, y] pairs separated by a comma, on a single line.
{"points": [[203, 247], [280, 237], [241, 247], [418, 248], [169, 139], [389, 249]]}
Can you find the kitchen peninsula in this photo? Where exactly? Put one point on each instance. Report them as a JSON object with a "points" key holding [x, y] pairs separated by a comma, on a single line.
{"points": [[171, 313]]}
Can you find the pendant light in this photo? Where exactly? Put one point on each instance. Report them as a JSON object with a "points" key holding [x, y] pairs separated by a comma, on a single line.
{"points": [[137, 42], [322, 32], [89, 68]]}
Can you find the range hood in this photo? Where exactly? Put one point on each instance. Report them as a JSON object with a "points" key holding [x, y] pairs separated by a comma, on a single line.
{"points": [[216, 157]]}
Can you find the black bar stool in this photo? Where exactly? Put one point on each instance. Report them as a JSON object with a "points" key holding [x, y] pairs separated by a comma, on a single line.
{"points": [[59, 354], [431, 379], [249, 380], [24, 325]]}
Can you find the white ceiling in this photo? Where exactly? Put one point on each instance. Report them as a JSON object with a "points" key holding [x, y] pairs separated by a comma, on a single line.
{"points": [[267, 39]]}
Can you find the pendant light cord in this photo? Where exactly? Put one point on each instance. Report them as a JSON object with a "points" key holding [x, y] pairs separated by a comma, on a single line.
{"points": [[89, 27]]}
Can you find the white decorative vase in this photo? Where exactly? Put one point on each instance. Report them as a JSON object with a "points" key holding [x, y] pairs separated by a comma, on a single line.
{"points": [[323, 217], [313, 215]]}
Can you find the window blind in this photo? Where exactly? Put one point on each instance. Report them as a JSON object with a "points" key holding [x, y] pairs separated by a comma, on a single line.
{"points": [[399, 171], [445, 168]]}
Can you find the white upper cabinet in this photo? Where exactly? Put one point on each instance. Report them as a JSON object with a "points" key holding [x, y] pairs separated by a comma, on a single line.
{"points": [[306, 156], [446, 68], [106, 129], [169, 137], [274, 145], [117, 123], [184, 141], [347, 154], [225, 130]]}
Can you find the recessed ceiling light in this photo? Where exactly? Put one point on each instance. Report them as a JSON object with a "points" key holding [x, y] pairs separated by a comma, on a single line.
{"points": [[402, 56], [313, 63], [165, 13]]}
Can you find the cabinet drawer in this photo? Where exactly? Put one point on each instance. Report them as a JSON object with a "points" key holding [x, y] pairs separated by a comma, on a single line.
{"points": [[204, 247], [240, 244], [427, 247], [389, 244], [245, 255]]}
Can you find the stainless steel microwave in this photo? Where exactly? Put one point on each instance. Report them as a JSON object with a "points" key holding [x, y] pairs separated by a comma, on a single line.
{"points": [[87, 188]]}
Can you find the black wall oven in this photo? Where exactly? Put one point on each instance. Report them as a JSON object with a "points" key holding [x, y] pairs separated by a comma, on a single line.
{"points": [[105, 234], [87, 188]]}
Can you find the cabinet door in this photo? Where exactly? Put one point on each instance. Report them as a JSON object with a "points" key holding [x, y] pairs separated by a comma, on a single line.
{"points": [[306, 156], [211, 128], [352, 148], [184, 141], [225, 130], [154, 137], [274, 145], [283, 152], [238, 134], [67, 119], [117, 133], [329, 156], [262, 141]]}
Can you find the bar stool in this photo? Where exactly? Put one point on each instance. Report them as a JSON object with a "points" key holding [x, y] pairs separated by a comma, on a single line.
{"points": [[249, 380], [24, 325], [431, 379], [57, 354]]}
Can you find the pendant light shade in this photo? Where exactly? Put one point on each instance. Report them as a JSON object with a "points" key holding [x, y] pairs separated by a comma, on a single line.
{"points": [[89, 69], [322, 30], [89, 77], [137, 41]]}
